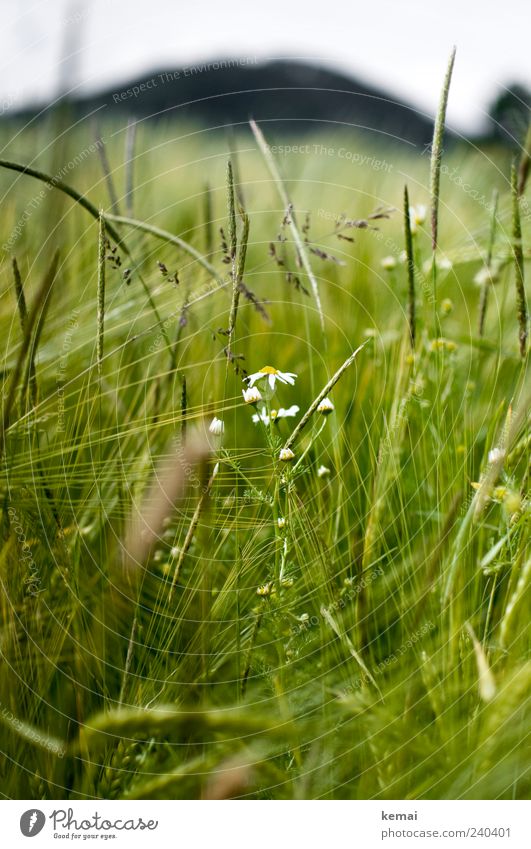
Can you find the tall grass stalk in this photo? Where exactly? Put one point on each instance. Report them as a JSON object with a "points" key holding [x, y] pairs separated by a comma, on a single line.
{"points": [[238, 277], [297, 238], [233, 239], [517, 598], [410, 265], [130, 139], [327, 388], [170, 239], [518, 253], [23, 316], [19, 294], [525, 163], [485, 286], [435, 174], [55, 183], [437, 152], [233, 250], [320, 638], [27, 345], [183, 551], [29, 382], [101, 293], [207, 219], [106, 168]]}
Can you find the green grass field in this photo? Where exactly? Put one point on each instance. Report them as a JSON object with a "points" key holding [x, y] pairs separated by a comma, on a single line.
{"points": [[185, 614]]}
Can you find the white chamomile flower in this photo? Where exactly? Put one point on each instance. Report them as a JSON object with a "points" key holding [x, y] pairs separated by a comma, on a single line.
{"points": [[487, 275], [251, 395], [286, 455], [444, 264], [417, 217], [323, 472], [275, 414], [447, 306], [285, 414], [281, 522], [325, 407], [482, 277], [271, 375], [216, 426], [262, 416], [420, 213], [388, 263]]}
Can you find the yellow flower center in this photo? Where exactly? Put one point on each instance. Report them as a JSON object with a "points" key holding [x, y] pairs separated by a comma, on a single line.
{"points": [[268, 370]]}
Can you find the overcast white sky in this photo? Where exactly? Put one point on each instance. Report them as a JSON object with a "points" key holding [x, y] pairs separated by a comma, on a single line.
{"points": [[401, 45]]}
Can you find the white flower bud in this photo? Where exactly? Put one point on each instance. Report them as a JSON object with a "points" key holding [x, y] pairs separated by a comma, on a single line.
{"points": [[216, 427], [325, 407], [252, 395]]}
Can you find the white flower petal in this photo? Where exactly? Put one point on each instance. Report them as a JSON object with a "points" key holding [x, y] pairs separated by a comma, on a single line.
{"points": [[261, 417], [291, 411], [216, 426]]}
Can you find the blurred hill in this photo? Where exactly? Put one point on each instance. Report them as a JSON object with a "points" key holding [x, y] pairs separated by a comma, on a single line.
{"points": [[293, 97]]}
